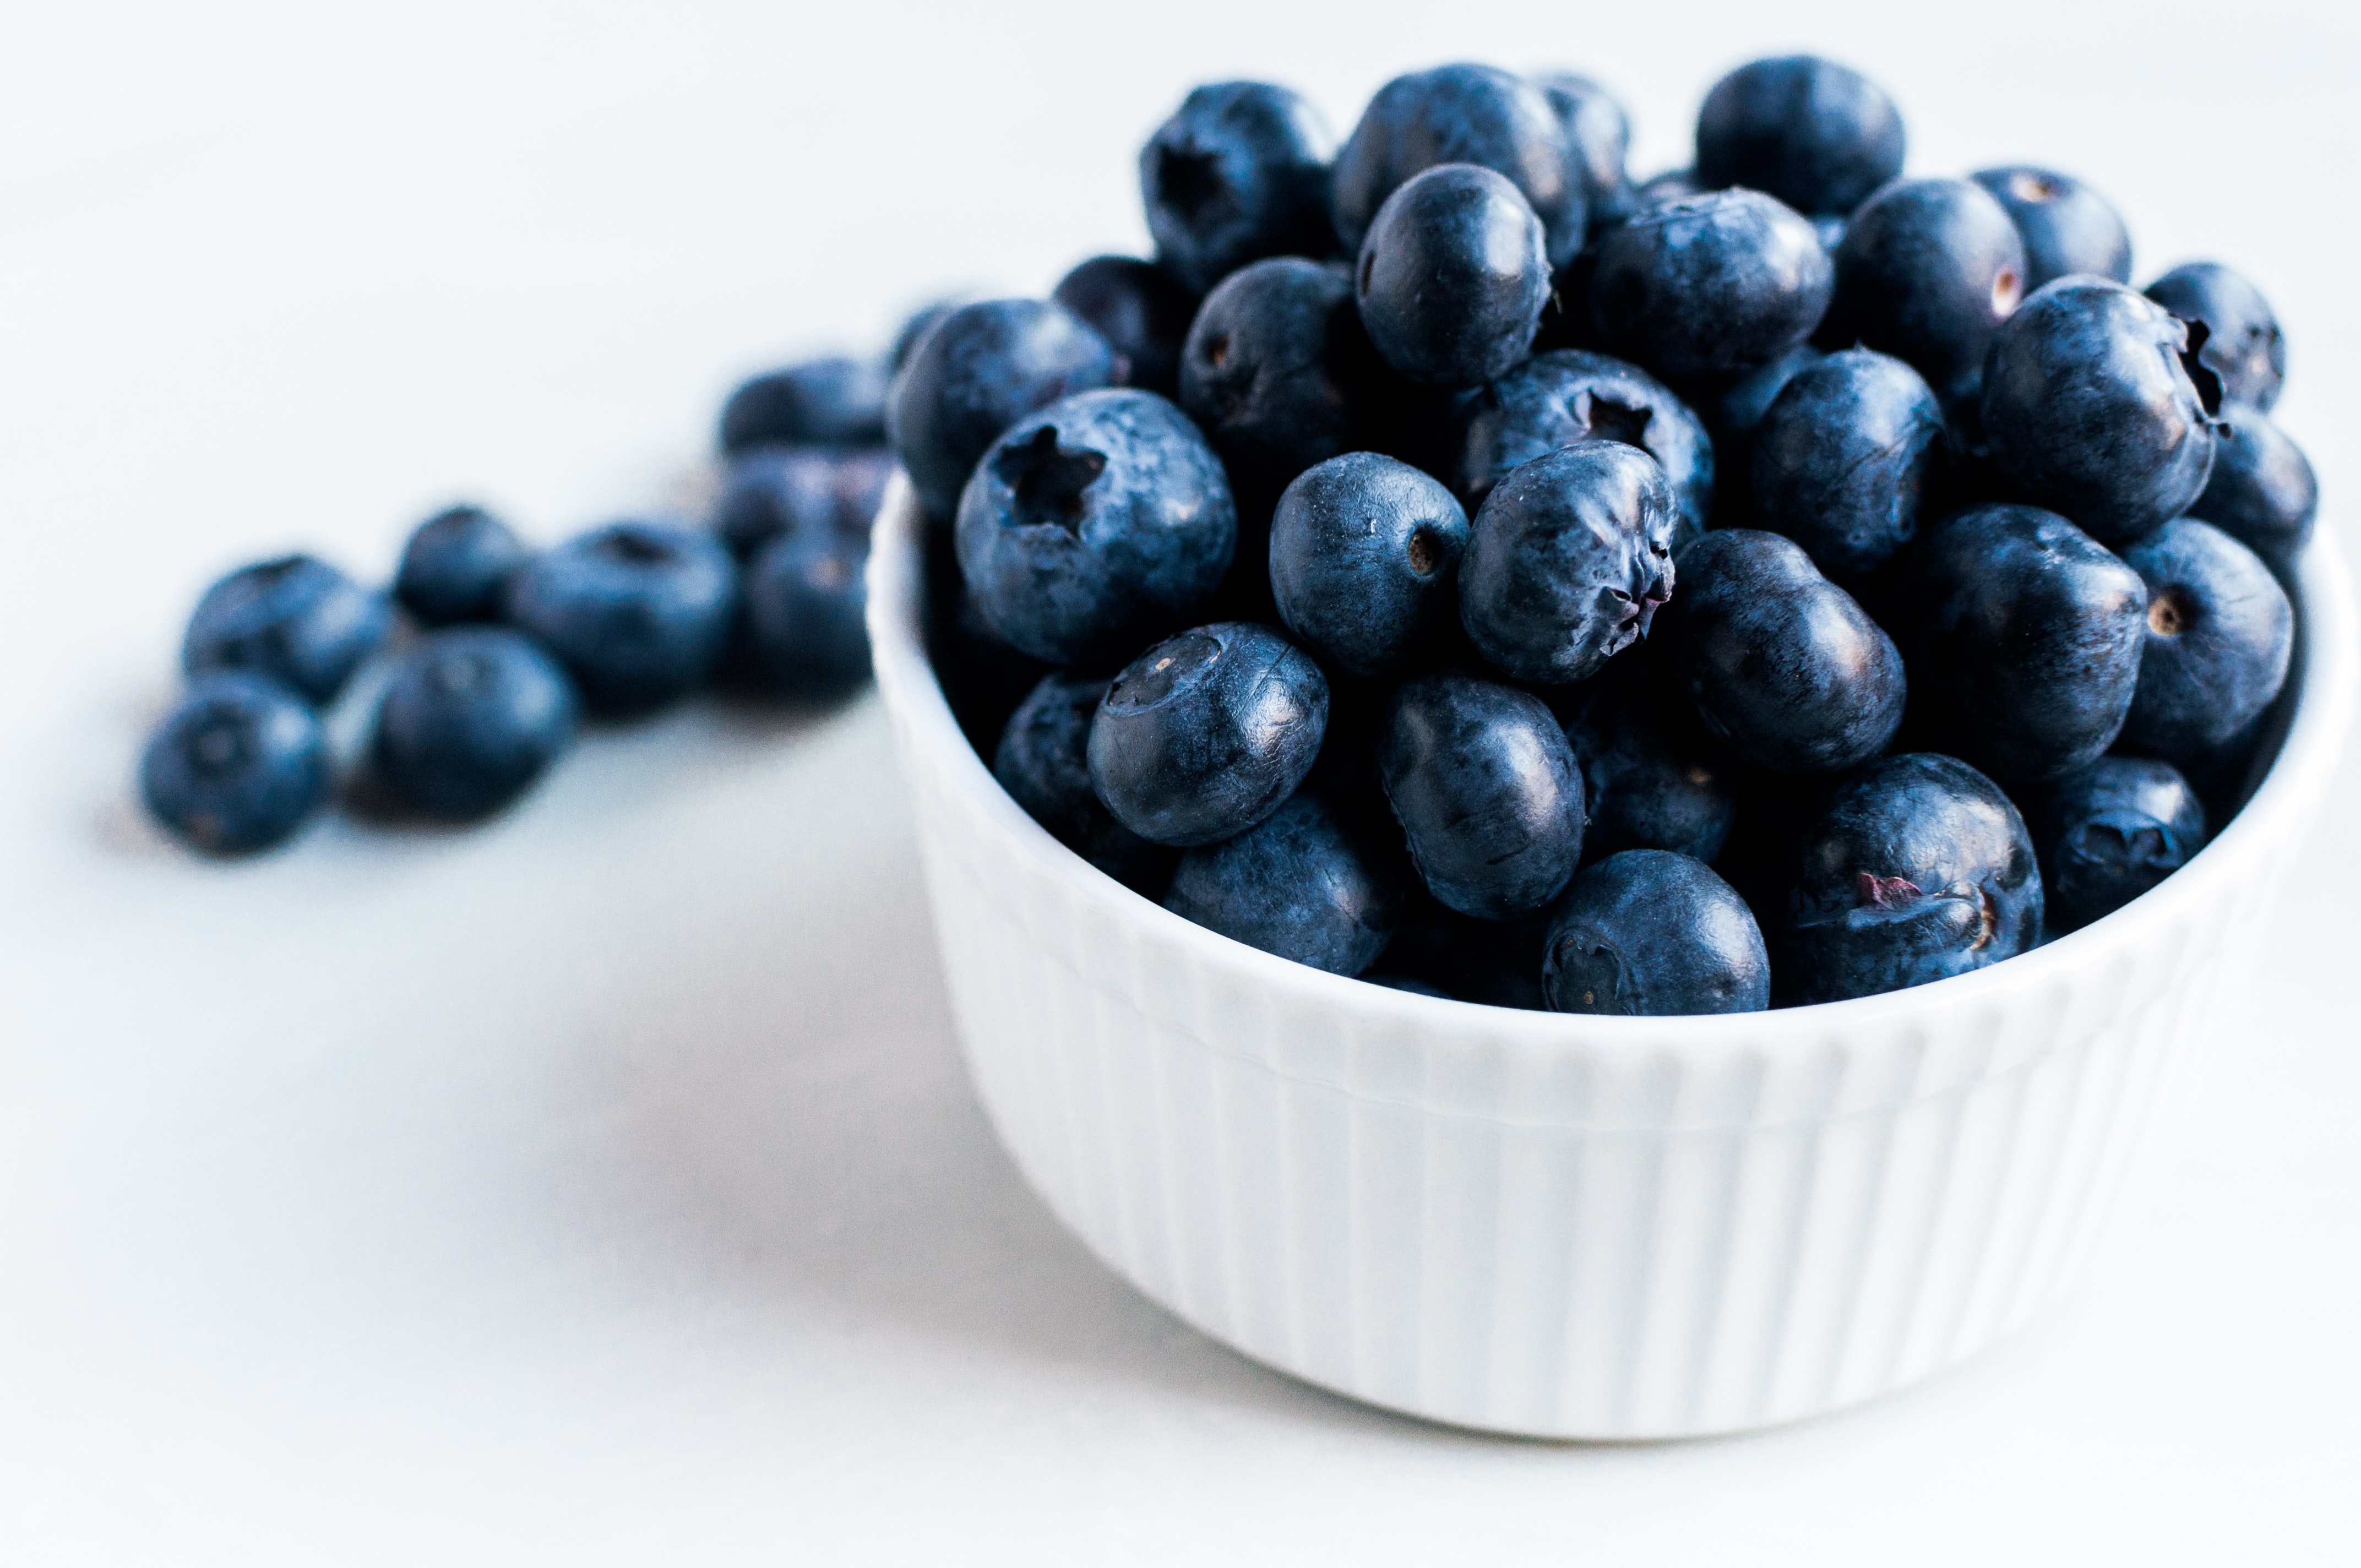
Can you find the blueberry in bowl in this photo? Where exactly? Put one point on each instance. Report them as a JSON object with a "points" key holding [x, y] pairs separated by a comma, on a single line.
{"points": [[2262, 492], [1043, 762], [1651, 777], [1651, 933], [1239, 173], [1599, 133], [1365, 555], [2242, 346], [1927, 271], [638, 612], [1141, 309], [1308, 883], [1567, 395], [1704, 289], [237, 766], [2066, 225], [1849, 457], [1279, 372], [1452, 277], [294, 618], [1817, 135], [2220, 640], [2111, 831]]}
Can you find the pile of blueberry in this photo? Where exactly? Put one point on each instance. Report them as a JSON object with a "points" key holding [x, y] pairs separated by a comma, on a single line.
{"points": [[492, 652], [1450, 563]]}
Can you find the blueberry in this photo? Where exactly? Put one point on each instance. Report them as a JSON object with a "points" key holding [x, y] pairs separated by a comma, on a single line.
{"points": [[1568, 395], [1142, 312], [1651, 778], [1734, 416], [775, 491], [983, 678], [1462, 113], [1363, 559], [237, 766], [1043, 762], [1203, 735], [1598, 132], [978, 371], [1702, 290], [2023, 635], [470, 718], [2262, 492], [2090, 409], [637, 612], [1094, 524], [1452, 277], [834, 401], [802, 602], [1277, 371], [2111, 832], [1927, 271], [1567, 561], [1780, 661], [1495, 963], [2220, 635], [1845, 461], [1487, 791], [923, 320], [294, 619], [1306, 882], [2242, 345], [1671, 186], [1817, 135], [1648, 933], [1919, 869], [1240, 173], [457, 566], [2066, 225]]}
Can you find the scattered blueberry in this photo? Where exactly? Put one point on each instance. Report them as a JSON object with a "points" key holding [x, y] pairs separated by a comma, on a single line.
{"points": [[1927, 271], [1651, 778], [294, 619], [802, 602], [1240, 173], [2262, 492], [1702, 290], [1647, 933], [637, 612], [1305, 883], [1487, 790], [776, 491], [456, 567], [2242, 345], [1556, 399], [2111, 832], [2066, 225], [1043, 762], [820, 402], [1599, 133], [1452, 277], [1142, 312], [905, 341], [470, 718], [2220, 636], [1277, 371], [237, 766], [1364, 556], [1846, 460], [1808, 131]]}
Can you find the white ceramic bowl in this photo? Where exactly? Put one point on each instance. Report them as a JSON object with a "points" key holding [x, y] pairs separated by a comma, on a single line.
{"points": [[1569, 1227]]}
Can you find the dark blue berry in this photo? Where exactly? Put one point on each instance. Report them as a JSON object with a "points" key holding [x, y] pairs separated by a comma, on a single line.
{"points": [[1043, 762], [774, 492], [978, 371], [637, 612], [1780, 663], [456, 567], [237, 766], [1927, 271], [2089, 409], [1734, 416], [1462, 113], [1364, 561], [1452, 277], [1647, 933], [1279, 373], [1203, 735], [1487, 791], [2262, 492], [922, 321], [1307, 882], [1817, 135], [1919, 869], [802, 602], [1240, 173], [294, 619], [2242, 345], [2111, 832], [2066, 225], [1651, 777], [1702, 290], [2220, 636], [1557, 399], [1141, 308], [1094, 524], [1567, 561], [470, 718], [1845, 462], [2023, 638], [1599, 133], [820, 402]]}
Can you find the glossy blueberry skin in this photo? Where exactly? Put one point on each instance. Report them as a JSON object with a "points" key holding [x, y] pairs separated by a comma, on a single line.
{"points": [[1647, 933], [1567, 561], [1651, 777], [2022, 636], [470, 718], [1452, 277], [2262, 492], [2066, 225], [1927, 271], [2111, 832], [1556, 399], [294, 618], [1203, 735], [637, 612], [2242, 345], [457, 565], [1815, 135], [237, 765], [1599, 133], [1487, 789], [774, 492], [1365, 556], [1462, 113], [1279, 373], [978, 371], [1847, 459], [1919, 869], [1306, 882], [1240, 173], [801, 603], [1780, 663], [1702, 290], [2219, 638], [820, 402], [1043, 762], [1095, 524], [1141, 308], [2089, 410]]}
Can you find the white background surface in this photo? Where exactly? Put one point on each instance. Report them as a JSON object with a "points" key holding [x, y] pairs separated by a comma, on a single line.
{"points": [[602, 1185]]}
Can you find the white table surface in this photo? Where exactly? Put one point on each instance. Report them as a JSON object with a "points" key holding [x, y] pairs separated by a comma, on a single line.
{"points": [[602, 1185]]}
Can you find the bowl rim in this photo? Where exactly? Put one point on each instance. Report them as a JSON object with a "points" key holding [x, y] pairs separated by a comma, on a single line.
{"points": [[2328, 669]]}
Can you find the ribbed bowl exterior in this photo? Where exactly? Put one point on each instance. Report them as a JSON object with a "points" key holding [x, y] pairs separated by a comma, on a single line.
{"points": [[1558, 1227]]}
